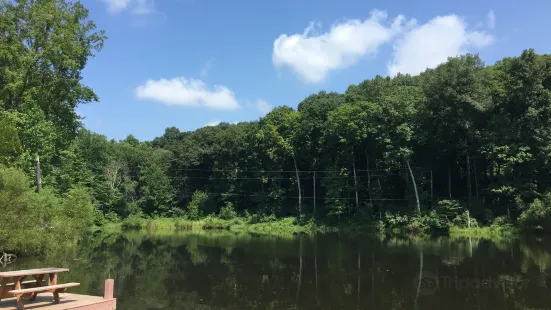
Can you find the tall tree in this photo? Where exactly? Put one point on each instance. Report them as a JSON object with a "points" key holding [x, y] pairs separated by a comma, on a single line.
{"points": [[453, 116], [279, 130], [44, 46]]}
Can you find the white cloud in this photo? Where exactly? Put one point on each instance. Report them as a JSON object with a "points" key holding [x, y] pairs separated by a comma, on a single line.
{"points": [[213, 123], [263, 106], [428, 45], [312, 55], [140, 7], [491, 19], [188, 92], [206, 68]]}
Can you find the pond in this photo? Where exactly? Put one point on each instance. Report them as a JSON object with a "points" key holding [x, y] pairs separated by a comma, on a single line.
{"points": [[223, 270]]}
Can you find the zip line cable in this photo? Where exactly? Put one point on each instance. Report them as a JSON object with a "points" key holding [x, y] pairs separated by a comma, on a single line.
{"points": [[293, 171], [296, 197], [229, 178]]}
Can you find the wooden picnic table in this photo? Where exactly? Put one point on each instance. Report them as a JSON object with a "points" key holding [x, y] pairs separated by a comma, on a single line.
{"points": [[30, 289]]}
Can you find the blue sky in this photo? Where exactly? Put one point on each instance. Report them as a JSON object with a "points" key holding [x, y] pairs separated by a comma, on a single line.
{"points": [[189, 63]]}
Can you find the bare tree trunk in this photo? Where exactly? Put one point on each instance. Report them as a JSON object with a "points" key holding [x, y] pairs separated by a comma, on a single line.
{"points": [[414, 188], [314, 193], [431, 191], [299, 190], [38, 180], [368, 179], [469, 185], [380, 188], [449, 181], [475, 179], [355, 183]]}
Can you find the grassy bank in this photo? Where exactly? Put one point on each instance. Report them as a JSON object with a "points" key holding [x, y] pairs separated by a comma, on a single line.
{"points": [[290, 225], [264, 226], [486, 232]]}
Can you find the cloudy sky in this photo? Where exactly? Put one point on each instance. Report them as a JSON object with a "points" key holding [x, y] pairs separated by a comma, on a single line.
{"points": [[194, 63]]}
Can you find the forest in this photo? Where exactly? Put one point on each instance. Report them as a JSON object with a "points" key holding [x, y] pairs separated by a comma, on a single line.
{"points": [[462, 144]]}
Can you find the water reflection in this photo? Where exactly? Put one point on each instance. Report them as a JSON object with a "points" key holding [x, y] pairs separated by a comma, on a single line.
{"points": [[222, 270]]}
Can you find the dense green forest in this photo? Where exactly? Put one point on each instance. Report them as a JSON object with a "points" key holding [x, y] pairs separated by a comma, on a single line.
{"points": [[412, 150]]}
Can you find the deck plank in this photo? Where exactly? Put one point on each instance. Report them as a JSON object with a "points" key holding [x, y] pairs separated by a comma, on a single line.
{"points": [[68, 301]]}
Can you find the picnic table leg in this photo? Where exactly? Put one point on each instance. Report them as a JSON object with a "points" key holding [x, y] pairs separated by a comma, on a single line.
{"points": [[39, 283], [20, 305], [17, 282], [19, 297], [56, 294], [20, 281], [53, 281], [3, 288]]}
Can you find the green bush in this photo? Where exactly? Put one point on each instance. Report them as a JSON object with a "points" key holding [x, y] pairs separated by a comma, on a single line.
{"points": [[262, 218], [32, 223], [380, 226], [416, 224], [77, 210], [465, 220], [227, 212], [449, 209], [197, 205], [501, 221], [133, 222], [434, 222], [538, 215]]}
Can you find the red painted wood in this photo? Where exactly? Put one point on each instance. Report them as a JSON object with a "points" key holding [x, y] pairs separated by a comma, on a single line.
{"points": [[108, 291], [107, 304]]}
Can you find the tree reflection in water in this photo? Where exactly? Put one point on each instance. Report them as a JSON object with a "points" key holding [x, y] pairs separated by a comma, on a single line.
{"points": [[224, 270]]}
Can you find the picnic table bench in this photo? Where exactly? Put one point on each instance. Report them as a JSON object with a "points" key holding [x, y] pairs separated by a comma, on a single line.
{"points": [[31, 288]]}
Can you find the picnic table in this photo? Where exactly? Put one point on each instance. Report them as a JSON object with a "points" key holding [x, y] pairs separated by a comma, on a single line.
{"points": [[30, 289]]}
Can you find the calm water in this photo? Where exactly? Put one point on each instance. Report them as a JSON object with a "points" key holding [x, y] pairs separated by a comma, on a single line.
{"points": [[221, 270]]}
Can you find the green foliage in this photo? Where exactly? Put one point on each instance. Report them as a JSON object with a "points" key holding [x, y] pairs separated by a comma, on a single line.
{"points": [[449, 208], [425, 223], [481, 131], [465, 220], [197, 205], [538, 215], [133, 222], [33, 223], [77, 206], [10, 145], [227, 212]]}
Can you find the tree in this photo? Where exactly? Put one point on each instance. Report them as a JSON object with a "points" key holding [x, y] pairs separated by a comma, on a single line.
{"points": [[10, 145], [453, 113], [518, 139], [44, 46], [278, 130]]}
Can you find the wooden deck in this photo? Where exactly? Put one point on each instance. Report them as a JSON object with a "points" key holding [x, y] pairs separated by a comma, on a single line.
{"points": [[67, 301]]}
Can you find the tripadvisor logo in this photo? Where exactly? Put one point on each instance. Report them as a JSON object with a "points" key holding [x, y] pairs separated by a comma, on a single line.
{"points": [[427, 283]]}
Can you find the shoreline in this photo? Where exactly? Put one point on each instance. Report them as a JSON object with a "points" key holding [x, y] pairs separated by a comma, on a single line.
{"points": [[288, 227]]}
